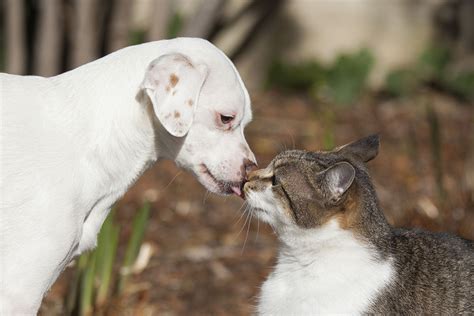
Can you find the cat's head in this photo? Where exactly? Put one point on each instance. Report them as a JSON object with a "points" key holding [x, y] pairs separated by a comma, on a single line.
{"points": [[304, 190]]}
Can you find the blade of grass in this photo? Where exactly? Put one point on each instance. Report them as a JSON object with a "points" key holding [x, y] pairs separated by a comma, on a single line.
{"points": [[72, 298], [138, 231], [105, 270], [102, 244], [87, 287]]}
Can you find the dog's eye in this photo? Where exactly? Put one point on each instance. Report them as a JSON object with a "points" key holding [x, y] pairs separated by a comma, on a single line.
{"points": [[226, 119]]}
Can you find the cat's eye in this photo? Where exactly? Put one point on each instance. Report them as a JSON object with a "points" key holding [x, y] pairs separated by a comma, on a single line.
{"points": [[273, 180], [226, 119]]}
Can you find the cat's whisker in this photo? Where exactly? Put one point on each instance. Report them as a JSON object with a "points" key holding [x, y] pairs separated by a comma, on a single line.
{"points": [[172, 180], [246, 212], [248, 229], [243, 226], [242, 214], [258, 228], [239, 210]]}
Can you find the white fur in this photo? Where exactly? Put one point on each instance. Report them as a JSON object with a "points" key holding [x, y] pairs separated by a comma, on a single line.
{"points": [[319, 271], [71, 145]]}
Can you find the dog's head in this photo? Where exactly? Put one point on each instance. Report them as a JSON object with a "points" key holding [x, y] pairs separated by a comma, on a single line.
{"points": [[203, 107]]}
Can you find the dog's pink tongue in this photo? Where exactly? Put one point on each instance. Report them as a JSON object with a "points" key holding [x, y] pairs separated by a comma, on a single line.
{"points": [[237, 191]]}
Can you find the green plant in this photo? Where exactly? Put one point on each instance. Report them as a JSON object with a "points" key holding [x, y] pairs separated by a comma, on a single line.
{"points": [[432, 68], [433, 62], [299, 77], [138, 231], [175, 25], [94, 281], [137, 36], [402, 82], [87, 286], [72, 298], [106, 250], [347, 77], [461, 84], [342, 82]]}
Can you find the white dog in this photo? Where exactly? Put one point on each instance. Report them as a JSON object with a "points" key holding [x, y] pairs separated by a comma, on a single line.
{"points": [[71, 145]]}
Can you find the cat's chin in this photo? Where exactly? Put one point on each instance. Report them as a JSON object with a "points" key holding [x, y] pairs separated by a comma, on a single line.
{"points": [[262, 215], [265, 206], [273, 217]]}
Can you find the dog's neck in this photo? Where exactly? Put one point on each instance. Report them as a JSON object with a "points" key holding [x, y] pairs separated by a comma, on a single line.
{"points": [[117, 136]]}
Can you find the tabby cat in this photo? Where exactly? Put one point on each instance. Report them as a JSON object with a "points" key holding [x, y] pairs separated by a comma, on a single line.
{"points": [[337, 252]]}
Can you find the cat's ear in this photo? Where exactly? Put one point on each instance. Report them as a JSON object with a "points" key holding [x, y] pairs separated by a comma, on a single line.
{"points": [[338, 179], [364, 149]]}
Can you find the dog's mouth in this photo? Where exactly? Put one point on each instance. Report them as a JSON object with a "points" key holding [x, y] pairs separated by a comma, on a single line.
{"points": [[223, 187]]}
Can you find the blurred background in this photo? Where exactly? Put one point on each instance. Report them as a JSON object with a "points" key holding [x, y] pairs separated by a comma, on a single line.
{"points": [[321, 73]]}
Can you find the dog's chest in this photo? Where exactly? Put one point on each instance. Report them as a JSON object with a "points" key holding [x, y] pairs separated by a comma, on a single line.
{"points": [[341, 279]]}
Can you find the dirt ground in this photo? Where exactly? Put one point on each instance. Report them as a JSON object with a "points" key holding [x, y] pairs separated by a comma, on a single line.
{"points": [[210, 259]]}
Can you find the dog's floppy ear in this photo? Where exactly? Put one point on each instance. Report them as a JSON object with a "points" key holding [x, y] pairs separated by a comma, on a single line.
{"points": [[173, 83]]}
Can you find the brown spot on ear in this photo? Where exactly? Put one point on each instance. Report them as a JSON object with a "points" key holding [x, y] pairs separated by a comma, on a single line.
{"points": [[190, 102], [174, 80], [168, 88], [177, 114]]}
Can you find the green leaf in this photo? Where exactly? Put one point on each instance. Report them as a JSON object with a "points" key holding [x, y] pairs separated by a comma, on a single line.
{"points": [[73, 295], [87, 286], [402, 82], [461, 84], [300, 76], [433, 62], [175, 25], [138, 231], [347, 77], [137, 36], [106, 250]]}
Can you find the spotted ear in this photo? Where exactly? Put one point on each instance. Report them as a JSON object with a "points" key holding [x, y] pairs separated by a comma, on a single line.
{"points": [[173, 84]]}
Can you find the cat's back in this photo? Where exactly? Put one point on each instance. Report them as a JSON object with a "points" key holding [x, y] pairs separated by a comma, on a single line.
{"points": [[434, 273]]}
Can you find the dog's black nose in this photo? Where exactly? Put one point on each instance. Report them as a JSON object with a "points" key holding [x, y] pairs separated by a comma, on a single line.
{"points": [[249, 166]]}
